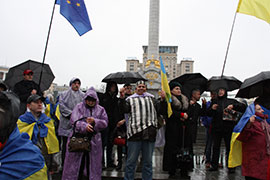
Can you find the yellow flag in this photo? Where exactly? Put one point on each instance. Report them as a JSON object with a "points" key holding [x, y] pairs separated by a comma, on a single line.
{"points": [[257, 8]]}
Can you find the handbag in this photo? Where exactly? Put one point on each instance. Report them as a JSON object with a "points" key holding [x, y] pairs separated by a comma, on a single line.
{"points": [[119, 141], [119, 135], [79, 142]]}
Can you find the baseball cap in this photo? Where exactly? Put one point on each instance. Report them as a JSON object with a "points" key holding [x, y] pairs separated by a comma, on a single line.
{"points": [[33, 98], [27, 71]]}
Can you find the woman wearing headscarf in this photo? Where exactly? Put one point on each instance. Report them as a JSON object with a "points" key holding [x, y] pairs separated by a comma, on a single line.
{"points": [[174, 131], [95, 120], [256, 133]]}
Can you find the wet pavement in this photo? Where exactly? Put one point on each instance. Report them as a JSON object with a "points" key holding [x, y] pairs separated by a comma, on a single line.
{"points": [[199, 171]]}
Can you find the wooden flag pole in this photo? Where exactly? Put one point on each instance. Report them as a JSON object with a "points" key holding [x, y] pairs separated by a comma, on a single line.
{"points": [[45, 51]]}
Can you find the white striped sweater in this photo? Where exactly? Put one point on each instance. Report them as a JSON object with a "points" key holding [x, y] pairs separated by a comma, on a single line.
{"points": [[143, 115]]}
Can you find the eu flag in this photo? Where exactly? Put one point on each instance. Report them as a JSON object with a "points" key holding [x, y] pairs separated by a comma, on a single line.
{"points": [[75, 12]]}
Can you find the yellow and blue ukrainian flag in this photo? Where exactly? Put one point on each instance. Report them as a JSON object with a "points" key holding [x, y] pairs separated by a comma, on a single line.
{"points": [[75, 12], [165, 87], [235, 156], [21, 160], [28, 124]]}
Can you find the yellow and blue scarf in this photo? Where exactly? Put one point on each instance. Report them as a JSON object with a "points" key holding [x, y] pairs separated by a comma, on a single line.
{"points": [[27, 123]]}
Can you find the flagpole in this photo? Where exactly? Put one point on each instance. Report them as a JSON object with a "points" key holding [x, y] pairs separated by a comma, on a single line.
{"points": [[46, 45], [225, 60]]}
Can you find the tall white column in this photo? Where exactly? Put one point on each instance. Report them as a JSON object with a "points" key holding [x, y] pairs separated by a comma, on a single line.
{"points": [[153, 36]]}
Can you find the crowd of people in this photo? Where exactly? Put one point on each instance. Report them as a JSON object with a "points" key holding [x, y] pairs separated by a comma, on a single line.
{"points": [[76, 134]]}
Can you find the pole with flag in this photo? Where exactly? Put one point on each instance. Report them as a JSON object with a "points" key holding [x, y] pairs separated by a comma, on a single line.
{"points": [[261, 10], [75, 12], [165, 87], [257, 8]]}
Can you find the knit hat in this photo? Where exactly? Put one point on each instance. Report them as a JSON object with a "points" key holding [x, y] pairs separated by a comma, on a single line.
{"points": [[173, 84]]}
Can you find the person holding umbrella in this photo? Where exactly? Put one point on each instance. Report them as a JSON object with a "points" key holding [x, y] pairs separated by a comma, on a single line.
{"points": [[222, 123], [25, 88], [109, 101]]}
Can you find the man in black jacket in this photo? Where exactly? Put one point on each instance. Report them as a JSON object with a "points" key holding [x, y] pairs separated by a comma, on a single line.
{"points": [[222, 124], [25, 88], [109, 101]]}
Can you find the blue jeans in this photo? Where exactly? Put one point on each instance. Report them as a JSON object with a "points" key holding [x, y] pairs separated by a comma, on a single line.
{"points": [[134, 148]]}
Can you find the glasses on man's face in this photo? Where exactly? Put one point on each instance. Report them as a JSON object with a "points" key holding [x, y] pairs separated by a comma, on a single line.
{"points": [[30, 74]]}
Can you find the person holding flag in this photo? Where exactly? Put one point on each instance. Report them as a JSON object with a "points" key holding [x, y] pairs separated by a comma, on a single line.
{"points": [[177, 106], [174, 131], [256, 133], [250, 141]]}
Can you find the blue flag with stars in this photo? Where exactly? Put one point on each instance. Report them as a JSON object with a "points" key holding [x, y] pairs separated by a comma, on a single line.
{"points": [[75, 12]]}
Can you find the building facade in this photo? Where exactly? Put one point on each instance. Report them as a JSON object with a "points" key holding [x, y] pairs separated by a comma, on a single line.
{"points": [[169, 58], [3, 72]]}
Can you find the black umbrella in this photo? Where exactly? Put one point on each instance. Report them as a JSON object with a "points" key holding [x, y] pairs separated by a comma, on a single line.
{"points": [[191, 81], [123, 77], [255, 85], [230, 83], [15, 74]]}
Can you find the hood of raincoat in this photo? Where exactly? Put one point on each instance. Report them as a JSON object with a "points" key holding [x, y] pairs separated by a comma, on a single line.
{"points": [[73, 80], [91, 92]]}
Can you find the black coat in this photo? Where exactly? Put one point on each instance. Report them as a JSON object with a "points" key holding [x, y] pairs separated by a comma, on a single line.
{"points": [[174, 135], [194, 112], [23, 89], [110, 103], [218, 125]]}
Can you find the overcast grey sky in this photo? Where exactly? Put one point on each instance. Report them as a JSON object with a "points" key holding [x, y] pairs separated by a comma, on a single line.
{"points": [[199, 28]]}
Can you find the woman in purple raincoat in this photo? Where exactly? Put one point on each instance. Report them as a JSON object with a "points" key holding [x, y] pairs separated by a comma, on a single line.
{"points": [[95, 114]]}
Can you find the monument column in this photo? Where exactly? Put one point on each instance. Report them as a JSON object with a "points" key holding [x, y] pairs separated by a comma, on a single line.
{"points": [[153, 34]]}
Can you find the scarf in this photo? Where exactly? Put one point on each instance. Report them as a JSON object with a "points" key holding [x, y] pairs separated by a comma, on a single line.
{"points": [[29, 118]]}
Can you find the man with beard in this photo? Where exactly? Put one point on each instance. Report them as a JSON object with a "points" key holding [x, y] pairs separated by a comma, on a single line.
{"points": [[141, 129]]}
